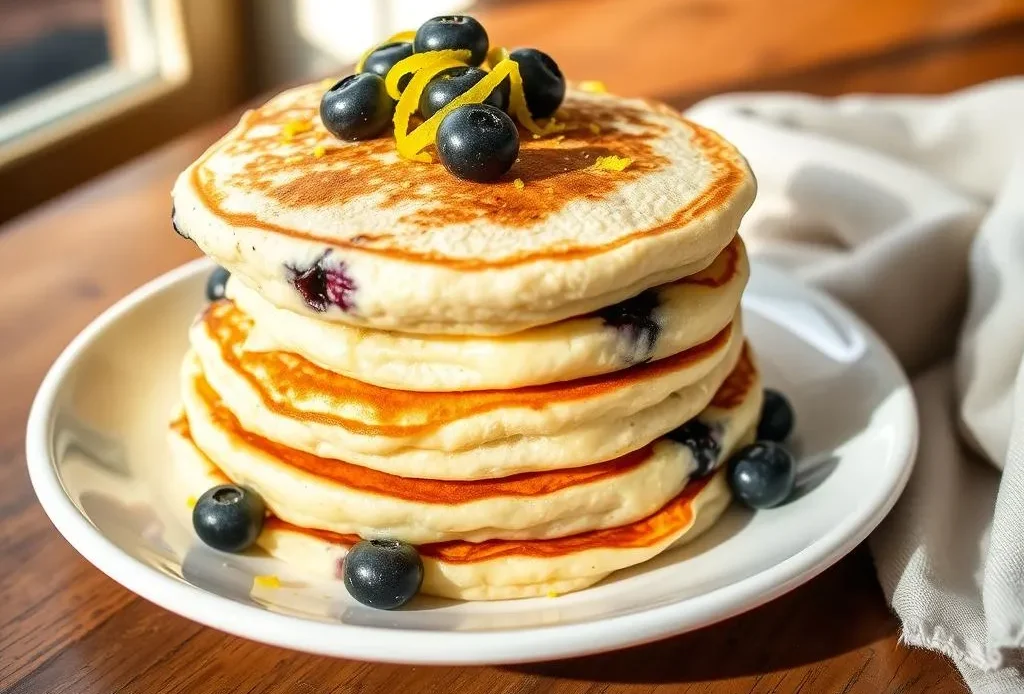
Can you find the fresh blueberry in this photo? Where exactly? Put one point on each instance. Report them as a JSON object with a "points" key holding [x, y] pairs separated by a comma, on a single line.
{"points": [[762, 475], [776, 417], [636, 318], [453, 32], [543, 82], [385, 57], [323, 284], [357, 107], [454, 82], [229, 517], [174, 224], [216, 283], [477, 142], [703, 443], [383, 573]]}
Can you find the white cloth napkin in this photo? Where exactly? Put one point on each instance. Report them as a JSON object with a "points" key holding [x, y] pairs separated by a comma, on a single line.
{"points": [[911, 211]]}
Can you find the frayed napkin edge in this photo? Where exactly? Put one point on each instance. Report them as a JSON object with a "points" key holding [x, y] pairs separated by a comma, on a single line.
{"points": [[938, 638]]}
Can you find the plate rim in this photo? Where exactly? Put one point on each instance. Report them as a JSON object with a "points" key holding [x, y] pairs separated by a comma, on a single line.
{"points": [[408, 646]]}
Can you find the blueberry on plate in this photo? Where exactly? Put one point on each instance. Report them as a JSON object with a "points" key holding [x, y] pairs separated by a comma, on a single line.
{"points": [[762, 475], [216, 284], [357, 107], [543, 82], [776, 417], [384, 574], [454, 82], [477, 142], [453, 32], [229, 517], [385, 57]]}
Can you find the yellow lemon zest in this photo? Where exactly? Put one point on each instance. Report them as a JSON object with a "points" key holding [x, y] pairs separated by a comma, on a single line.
{"points": [[191, 502], [267, 581], [423, 136], [495, 56], [295, 127], [552, 594], [409, 101], [612, 163], [411, 145], [592, 86], [594, 128], [400, 36], [319, 151], [420, 61], [518, 183]]}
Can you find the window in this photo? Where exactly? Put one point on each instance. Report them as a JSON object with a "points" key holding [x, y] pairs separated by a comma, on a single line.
{"points": [[87, 84], [48, 41]]}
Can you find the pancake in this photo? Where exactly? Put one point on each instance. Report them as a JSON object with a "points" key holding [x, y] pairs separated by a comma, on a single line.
{"points": [[346, 498], [656, 324], [600, 440], [496, 569], [290, 400], [363, 237], [341, 497]]}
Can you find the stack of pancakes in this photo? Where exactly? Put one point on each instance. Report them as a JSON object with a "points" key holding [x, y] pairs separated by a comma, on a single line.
{"points": [[533, 381]]}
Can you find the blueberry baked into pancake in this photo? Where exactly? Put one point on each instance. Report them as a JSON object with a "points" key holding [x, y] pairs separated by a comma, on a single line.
{"points": [[475, 332]]}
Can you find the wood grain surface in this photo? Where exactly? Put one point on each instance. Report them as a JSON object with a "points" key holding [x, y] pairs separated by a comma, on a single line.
{"points": [[65, 627]]}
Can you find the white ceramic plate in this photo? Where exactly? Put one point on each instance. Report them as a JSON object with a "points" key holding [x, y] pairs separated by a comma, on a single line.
{"points": [[97, 450]]}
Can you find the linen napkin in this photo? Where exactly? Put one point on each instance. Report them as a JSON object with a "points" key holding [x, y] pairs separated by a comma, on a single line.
{"points": [[911, 211]]}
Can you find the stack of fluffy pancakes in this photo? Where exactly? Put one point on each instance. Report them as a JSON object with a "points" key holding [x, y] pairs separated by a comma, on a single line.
{"points": [[518, 378]]}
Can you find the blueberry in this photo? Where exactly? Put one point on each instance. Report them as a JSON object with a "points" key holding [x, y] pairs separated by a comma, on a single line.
{"points": [[216, 283], [477, 142], [383, 58], [383, 573], [323, 284], [174, 224], [543, 82], [229, 517], [454, 82], [636, 318], [762, 475], [453, 32], [357, 107], [703, 443], [776, 417]]}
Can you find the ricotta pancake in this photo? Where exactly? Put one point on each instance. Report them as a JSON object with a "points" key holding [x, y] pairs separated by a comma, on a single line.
{"points": [[290, 400], [353, 233], [653, 325], [495, 569], [345, 498]]}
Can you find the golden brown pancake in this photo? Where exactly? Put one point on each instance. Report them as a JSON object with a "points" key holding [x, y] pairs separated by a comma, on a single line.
{"points": [[342, 497], [362, 236], [456, 435], [491, 570]]}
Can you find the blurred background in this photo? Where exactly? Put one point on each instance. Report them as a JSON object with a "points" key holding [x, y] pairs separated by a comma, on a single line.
{"points": [[88, 84]]}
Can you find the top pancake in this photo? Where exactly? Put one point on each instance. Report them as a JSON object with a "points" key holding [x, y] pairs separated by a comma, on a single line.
{"points": [[364, 237]]}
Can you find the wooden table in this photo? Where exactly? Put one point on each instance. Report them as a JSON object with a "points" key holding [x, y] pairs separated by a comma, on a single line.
{"points": [[65, 627]]}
